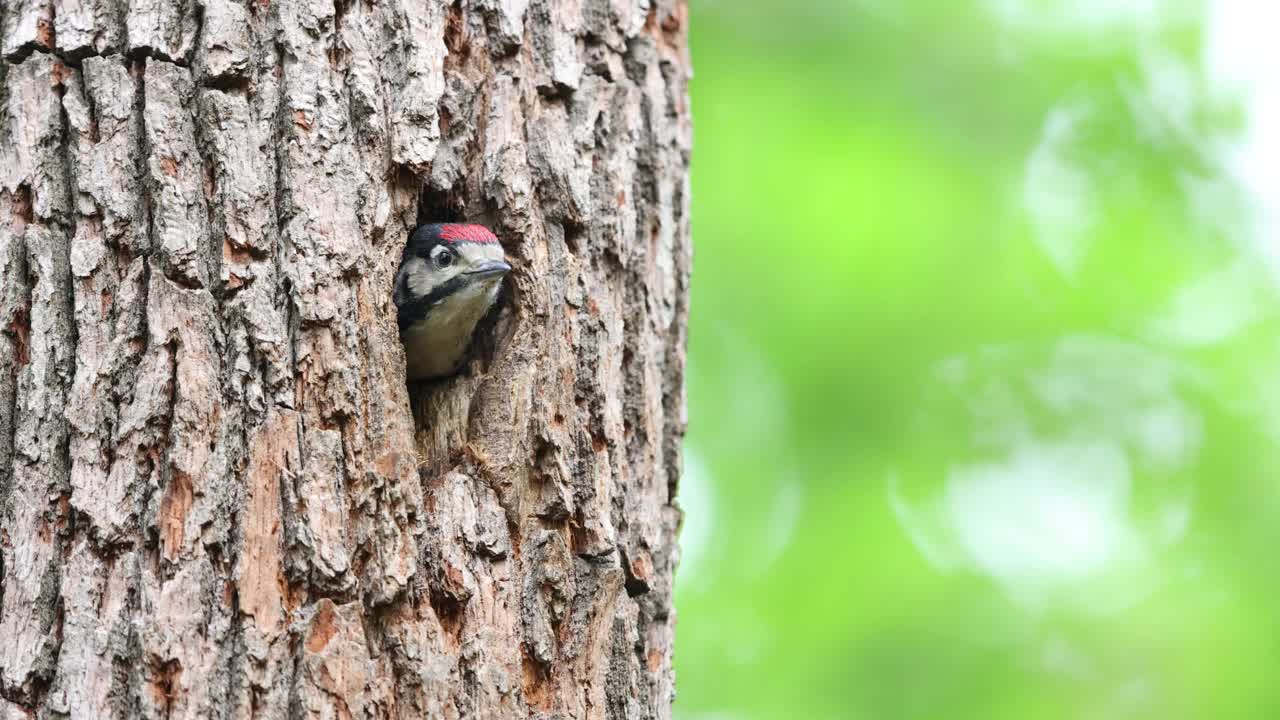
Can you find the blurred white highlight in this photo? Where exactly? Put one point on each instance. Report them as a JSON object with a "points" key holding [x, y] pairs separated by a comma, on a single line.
{"points": [[1048, 513], [1045, 508], [788, 505], [1242, 62], [1058, 192], [1074, 17], [1212, 308], [697, 501]]}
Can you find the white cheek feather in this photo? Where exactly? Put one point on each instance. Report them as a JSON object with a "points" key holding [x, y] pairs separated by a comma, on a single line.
{"points": [[422, 280]]}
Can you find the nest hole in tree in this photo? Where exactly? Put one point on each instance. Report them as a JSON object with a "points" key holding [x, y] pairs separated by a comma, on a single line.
{"points": [[438, 206]]}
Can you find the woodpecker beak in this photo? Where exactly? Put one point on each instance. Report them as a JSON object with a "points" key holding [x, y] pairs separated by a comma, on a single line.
{"points": [[488, 269]]}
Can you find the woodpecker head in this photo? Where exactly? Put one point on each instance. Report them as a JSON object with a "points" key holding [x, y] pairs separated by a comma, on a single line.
{"points": [[448, 279]]}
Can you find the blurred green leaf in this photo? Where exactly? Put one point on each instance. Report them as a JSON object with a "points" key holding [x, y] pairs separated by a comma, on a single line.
{"points": [[943, 250]]}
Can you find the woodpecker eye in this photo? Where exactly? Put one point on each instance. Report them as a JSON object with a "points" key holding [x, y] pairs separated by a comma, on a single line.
{"points": [[442, 257]]}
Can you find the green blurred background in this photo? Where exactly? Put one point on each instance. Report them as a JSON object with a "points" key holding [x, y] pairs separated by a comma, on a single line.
{"points": [[984, 390]]}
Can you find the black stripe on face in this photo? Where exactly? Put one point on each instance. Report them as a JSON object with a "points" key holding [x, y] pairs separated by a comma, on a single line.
{"points": [[421, 242], [415, 310]]}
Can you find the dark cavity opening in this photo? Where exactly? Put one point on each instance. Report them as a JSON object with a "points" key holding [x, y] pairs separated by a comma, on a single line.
{"points": [[438, 206]]}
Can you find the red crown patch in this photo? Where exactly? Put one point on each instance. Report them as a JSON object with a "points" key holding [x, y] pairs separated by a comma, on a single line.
{"points": [[467, 233]]}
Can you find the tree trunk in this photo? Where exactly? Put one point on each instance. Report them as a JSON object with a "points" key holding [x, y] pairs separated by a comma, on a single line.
{"points": [[218, 498]]}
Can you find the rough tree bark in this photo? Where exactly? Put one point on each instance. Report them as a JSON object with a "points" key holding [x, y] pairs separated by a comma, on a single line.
{"points": [[218, 498]]}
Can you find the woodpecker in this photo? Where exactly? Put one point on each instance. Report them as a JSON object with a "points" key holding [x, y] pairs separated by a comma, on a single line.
{"points": [[448, 279]]}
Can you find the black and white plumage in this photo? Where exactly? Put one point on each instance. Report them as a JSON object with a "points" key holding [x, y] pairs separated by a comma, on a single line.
{"points": [[449, 277]]}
